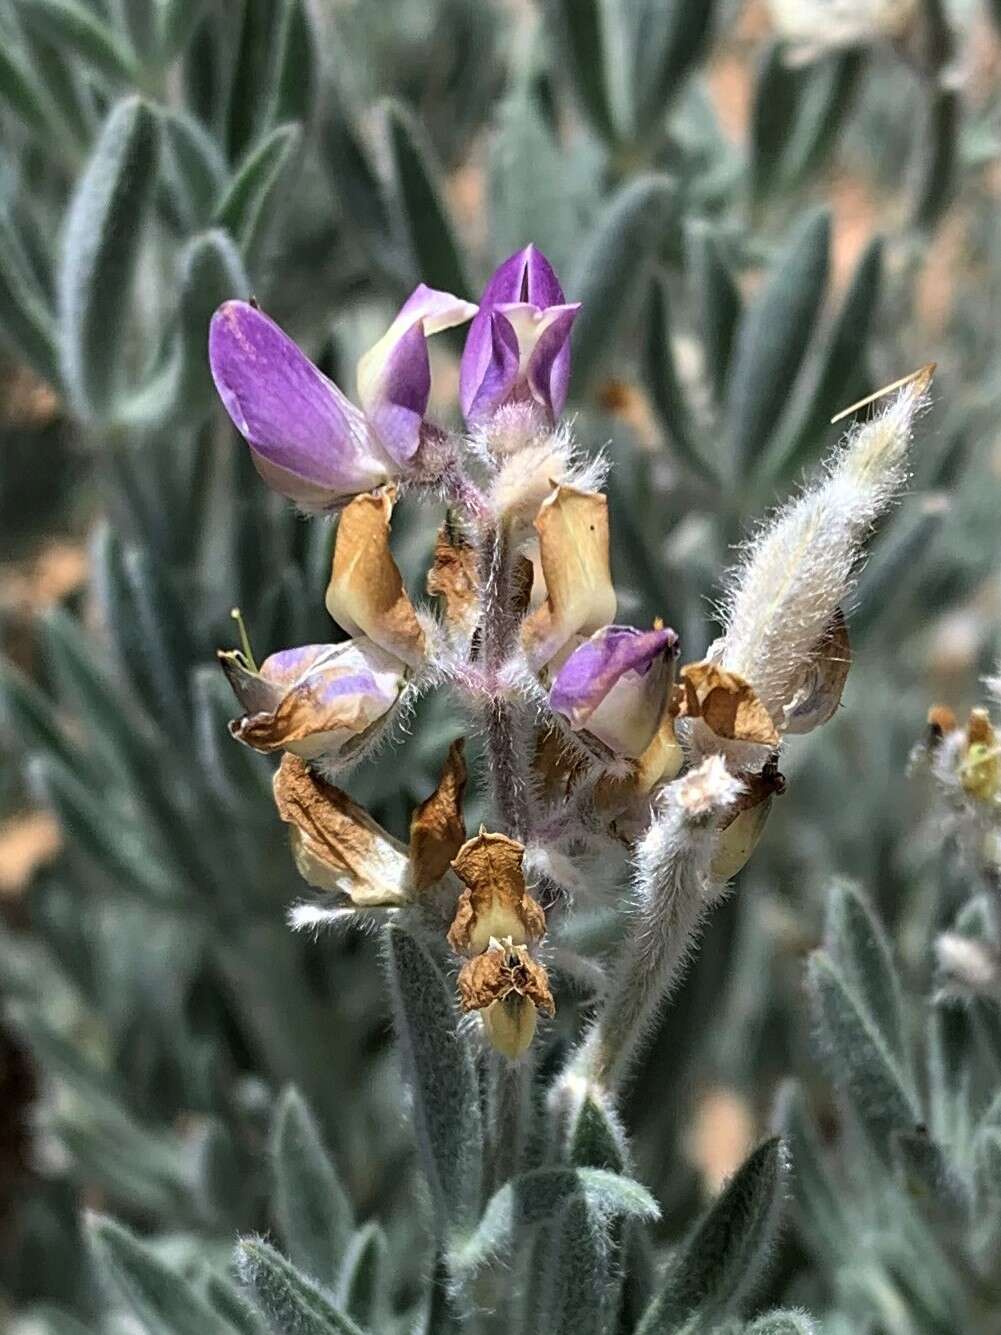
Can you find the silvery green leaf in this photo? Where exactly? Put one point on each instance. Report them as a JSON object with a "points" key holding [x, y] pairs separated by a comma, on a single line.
{"points": [[537, 1197], [821, 1202], [65, 85], [27, 321], [582, 1271], [289, 1300], [257, 190], [164, 1302], [211, 272], [664, 385], [839, 377], [609, 275], [717, 300], [667, 38], [936, 159], [178, 23], [232, 1306], [292, 74], [857, 944], [898, 561], [362, 1289], [860, 1062], [138, 21], [796, 116], [582, 53], [20, 91], [783, 1323], [926, 1174], [420, 206], [116, 850], [773, 338], [311, 1206], [78, 28], [596, 1139], [438, 1067], [31, 717], [727, 1252], [359, 191], [193, 167], [103, 232], [531, 186]]}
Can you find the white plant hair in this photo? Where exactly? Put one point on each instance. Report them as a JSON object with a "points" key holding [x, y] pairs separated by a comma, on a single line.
{"points": [[803, 564]]}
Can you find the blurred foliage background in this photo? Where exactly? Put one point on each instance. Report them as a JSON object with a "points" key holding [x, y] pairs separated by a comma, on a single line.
{"points": [[759, 236]]}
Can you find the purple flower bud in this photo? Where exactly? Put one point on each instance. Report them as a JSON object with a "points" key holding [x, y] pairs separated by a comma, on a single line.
{"points": [[614, 685], [316, 700], [394, 376], [518, 346], [309, 442]]}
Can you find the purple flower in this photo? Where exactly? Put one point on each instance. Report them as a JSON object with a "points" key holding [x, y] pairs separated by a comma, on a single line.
{"points": [[317, 700], [615, 684], [309, 441], [518, 347]]}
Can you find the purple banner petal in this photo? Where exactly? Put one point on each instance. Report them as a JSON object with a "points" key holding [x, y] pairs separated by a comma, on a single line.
{"points": [[291, 415]]}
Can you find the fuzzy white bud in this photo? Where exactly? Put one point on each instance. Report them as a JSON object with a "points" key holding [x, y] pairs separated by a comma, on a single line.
{"points": [[802, 565]]}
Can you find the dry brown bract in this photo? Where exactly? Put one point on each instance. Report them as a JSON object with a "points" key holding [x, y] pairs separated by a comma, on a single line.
{"points": [[336, 844], [366, 594], [727, 704], [437, 828], [823, 681], [495, 902], [501, 970]]}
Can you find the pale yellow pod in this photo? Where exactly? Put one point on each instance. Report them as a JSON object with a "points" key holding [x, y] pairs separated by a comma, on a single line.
{"points": [[510, 1024], [739, 840]]}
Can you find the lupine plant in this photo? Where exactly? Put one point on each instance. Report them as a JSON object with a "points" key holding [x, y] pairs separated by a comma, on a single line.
{"points": [[535, 945]]}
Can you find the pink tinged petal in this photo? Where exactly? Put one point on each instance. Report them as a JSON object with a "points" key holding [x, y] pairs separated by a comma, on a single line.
{"points": [[614, 685], [328, 697], [394, 376], [309, 441], [486, 383]]}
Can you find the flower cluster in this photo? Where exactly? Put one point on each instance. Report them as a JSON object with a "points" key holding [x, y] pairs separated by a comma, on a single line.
{"points": [[598, 749]]}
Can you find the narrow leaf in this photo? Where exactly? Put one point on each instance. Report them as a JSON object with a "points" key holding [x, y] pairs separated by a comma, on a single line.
{"points": [[860, 1063], [718, 303], [610, 273], [439, 1069], [290, 1302], [311, 1207], [539, 1196], [27, 321], [78, 28], [250, 202], [362, 1288], [419, 202], [857, 944], [773, 340], [728, 1250], [579, 29], [103, 232], [163, 1301]]}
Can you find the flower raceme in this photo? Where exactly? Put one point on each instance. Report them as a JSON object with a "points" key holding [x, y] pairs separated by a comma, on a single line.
{"points": [[598, 750]]}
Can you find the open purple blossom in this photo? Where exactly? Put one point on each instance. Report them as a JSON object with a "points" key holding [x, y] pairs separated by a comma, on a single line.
{"points": [[314, 700], [518, 346], [308, 440], [614, 686]]}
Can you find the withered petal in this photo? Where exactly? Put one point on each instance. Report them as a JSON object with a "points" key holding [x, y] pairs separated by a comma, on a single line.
{"points": [[495, 902], [366, 594], [573, 549], [336, 843], [437, 827], [727, 704], [500, 971]]}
